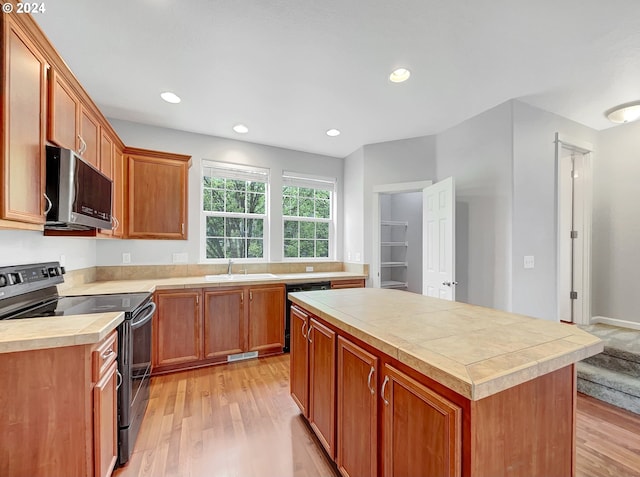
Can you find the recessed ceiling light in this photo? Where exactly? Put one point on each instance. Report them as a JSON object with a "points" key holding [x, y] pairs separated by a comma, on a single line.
{"points": [[241, 129], [399, 75], [333, 132], [625, 113], [170, 97]]}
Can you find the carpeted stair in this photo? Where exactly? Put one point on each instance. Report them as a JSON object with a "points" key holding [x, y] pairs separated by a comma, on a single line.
{"points": [[613, 376]]}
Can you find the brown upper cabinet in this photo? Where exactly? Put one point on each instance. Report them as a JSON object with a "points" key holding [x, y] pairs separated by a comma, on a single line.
{"points": [[64, 111], [89, 137], [157, 191], [71, 124], [22, 138], [118, 207]]}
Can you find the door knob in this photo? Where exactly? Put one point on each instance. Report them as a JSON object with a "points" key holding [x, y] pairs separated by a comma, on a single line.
{"points": [[449, 284]]}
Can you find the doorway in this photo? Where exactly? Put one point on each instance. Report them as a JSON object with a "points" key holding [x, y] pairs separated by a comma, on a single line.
{"points": [[573, 161]]}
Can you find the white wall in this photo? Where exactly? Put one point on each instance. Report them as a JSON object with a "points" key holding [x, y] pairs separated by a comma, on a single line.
{"points": [[353, 206], [478, 154], [616, 224], [21, 246], [109, 252], [535, 205]]}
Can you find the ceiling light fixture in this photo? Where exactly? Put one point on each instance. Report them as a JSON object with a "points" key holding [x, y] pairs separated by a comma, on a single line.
{"points": [[333, 132], [241, 129], [625, 113], [170, 97], [399, 75]]}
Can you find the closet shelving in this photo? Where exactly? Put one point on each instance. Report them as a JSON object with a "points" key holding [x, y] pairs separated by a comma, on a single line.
{"points": [[393, 252]]}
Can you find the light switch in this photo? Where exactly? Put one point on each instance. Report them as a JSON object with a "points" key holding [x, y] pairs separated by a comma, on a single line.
{"points": [[126, 257], [529, 261]]}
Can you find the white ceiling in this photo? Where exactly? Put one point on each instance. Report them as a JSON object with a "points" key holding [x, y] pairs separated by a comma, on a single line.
{"points": [[291, 69]]}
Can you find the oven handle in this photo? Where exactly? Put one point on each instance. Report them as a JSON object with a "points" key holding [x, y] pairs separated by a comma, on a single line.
{"points": [[141, 322]]}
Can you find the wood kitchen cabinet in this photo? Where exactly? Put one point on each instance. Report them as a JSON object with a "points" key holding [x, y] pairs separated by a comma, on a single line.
{"points": [[357, 411], [118, 192], [299, 359], [177, 328], [63, 113], [107, 164], [355, 283], [231, 319], [266, 319], [59, 414], [422, 430], [71, 124], [105, 408], [157, 192], [322, 384], [224, 323], [22, 139], [89, 133]]}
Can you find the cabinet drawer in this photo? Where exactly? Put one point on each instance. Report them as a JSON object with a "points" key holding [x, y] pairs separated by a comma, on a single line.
{"points": [[104, 355]]}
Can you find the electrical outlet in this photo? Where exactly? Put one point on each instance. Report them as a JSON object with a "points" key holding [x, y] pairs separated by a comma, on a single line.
{"points": [[349, 256], [180, 257], [63, 261], [126, 257], [529, 261], [309, 269]]}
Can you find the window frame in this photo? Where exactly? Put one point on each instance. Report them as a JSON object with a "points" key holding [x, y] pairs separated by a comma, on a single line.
{"points": [[330, 184], [234, 171]]}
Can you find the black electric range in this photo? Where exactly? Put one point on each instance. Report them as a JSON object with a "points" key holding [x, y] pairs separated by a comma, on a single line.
{"points": [[79, 305]]}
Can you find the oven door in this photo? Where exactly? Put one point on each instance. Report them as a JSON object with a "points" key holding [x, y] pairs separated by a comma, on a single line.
{"points": [[136, 373]]}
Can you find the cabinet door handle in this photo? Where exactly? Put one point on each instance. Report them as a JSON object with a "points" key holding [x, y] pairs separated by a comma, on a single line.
{"points": [[373, 391], [83, 146], [115, 222], [309, 333], [182, 228], [197, 299], [384, 385], [241, 298], [49, 204], [107, 353], [304, 326], [250, 295], [118, 380]]}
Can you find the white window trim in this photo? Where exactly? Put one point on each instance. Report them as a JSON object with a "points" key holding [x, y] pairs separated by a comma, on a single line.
{"points": [[330, 184], [231, 167]]}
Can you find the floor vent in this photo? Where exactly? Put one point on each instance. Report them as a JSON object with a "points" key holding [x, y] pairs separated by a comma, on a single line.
{"points": [[240, 356]]}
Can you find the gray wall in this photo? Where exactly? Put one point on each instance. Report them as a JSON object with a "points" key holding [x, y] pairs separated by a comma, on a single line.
{"points": [[353, 206], [478, 154], [21, 246], [616, 224], [535, 206], [109, 252], [407, 160]]}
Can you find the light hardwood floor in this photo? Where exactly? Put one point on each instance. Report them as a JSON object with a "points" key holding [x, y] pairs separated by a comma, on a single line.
{"points": [[239, 420]]}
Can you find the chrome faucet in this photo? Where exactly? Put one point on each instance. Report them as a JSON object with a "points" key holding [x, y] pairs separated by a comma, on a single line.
{"points": [[229, 267]]}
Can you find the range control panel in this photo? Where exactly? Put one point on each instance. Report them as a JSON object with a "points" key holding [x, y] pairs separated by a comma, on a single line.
{"points": [[19, 279]]}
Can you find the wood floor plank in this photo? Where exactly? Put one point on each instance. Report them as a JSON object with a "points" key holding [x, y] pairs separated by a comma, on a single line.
{"points": [[239, 420]]}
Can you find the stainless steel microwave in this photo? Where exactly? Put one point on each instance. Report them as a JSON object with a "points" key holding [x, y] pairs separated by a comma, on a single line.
{"points": [[79, 196]]}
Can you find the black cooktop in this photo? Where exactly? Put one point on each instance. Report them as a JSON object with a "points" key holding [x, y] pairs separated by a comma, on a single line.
{"points": [[81, 305]]}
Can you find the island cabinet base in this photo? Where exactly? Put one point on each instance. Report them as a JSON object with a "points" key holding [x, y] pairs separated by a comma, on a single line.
{"points": [[417, 426]]}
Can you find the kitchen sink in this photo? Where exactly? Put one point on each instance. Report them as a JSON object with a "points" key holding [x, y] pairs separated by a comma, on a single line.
{"points": [[240, 276]]}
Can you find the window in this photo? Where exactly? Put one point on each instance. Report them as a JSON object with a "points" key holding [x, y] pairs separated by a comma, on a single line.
{"points": [[234, 207], [307, 211]]}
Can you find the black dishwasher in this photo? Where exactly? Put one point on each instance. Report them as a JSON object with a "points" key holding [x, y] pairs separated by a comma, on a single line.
{"points": [[298, 287]]}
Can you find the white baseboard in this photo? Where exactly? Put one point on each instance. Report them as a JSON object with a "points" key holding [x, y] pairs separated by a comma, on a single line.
{"points": [[634, 325]]}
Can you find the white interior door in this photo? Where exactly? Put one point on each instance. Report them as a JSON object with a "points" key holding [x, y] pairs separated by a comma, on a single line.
{"points": [[438, 240]]}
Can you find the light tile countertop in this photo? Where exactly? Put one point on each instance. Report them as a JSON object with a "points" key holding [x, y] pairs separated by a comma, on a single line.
{"points": [[153, 284], [30, 334], [53, 332], [473, 350]]}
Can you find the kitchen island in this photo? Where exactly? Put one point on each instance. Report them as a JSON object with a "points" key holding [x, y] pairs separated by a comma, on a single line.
{"points": [[395, 383]]}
